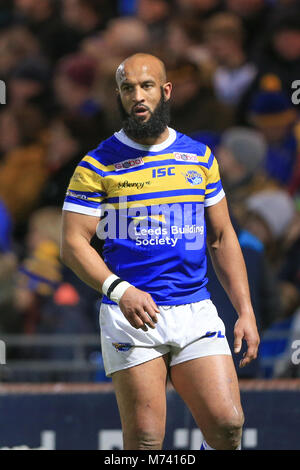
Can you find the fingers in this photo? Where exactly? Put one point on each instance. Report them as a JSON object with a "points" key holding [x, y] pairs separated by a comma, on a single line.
{"points": [[143, 314], [146, 318], [238, 337], [250, 354], [248, 331], [153, 304], [140, 319], [252, 347]]}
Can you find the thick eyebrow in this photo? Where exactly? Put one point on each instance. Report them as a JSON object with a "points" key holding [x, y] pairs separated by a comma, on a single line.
{"points": [[149, 80], [145, 82], [125, 83]]}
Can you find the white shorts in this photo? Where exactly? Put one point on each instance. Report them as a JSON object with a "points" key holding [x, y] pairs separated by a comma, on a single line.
{"points": [[184, 331]]}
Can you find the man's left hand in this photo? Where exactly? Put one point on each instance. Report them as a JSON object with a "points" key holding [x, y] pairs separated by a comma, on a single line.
{"points": [[245, 328]]}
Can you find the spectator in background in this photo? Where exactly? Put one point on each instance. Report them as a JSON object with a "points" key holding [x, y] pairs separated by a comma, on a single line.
{"points": [[29, 83], [126, 36], [254, 15], [184, 38], [276, 348], [73, 83], [270, 214], [241, 155], [40, 272], [23, 169], [44, 21], [224, 36], [155, 14], [9, 321], [289, 273], [122, 36], [9, 132], [16, 44], [277, 340], [87, 17], [265, 297], [194, 105], [272, 112], [48, 298], [277, 56], [279, 53], [68, 139]]}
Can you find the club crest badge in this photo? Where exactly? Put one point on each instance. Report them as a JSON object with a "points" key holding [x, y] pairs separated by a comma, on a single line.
{"points": [[193, 177]]}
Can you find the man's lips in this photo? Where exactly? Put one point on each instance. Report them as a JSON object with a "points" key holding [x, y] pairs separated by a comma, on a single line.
{"points": [[140, 110]]}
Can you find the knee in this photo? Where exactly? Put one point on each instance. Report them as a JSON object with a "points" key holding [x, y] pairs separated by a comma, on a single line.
{"points": [[230, 431], [226, 432], [144, 440]]}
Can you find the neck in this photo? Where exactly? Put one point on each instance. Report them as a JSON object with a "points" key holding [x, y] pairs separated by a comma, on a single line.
{"points": [[148, 141]]}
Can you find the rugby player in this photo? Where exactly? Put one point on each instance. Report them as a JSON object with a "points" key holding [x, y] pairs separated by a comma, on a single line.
{"points": [[156, 197]]}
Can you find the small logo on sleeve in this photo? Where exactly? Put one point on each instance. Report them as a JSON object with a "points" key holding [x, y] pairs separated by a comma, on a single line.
{"points": [[186, 157], [76, 195]]}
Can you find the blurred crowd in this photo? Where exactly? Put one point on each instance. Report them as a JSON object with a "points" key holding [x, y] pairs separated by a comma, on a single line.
{"points": [[233, 65]]}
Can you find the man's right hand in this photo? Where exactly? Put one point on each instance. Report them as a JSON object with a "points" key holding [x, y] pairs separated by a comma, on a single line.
{"points": [[139, 308]]}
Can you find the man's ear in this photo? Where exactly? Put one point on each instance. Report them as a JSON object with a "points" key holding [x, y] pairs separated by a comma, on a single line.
{"points": [[167, 89]]}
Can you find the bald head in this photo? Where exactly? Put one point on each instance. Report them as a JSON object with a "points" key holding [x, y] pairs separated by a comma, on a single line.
{"points": [[143, 92], [141, 62]]}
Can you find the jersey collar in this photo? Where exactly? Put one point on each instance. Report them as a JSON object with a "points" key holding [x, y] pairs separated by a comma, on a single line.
{"points": [[122, 137]]}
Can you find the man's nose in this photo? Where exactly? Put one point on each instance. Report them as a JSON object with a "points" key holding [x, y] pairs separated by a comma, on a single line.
{"points": [[138, 95]]}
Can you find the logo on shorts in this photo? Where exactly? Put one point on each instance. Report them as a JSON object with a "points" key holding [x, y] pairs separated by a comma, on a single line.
{"points": [[122, 346], [131, 163], [211, 334]]}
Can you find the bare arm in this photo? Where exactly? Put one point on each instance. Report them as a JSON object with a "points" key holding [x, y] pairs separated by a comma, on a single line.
{"points": [[78, 254], [229, 265], [76, 251]]}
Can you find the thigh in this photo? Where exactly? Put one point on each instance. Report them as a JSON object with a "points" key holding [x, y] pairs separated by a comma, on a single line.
{"points": [[209, 387], [141, 398]]}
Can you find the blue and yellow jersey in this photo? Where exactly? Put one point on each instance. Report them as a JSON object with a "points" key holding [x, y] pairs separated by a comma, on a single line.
{"points": [[150, 201]]}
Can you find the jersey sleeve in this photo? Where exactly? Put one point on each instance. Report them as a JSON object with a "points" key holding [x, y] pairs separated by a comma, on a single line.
{"points": [[85, 192], [214, 191]]}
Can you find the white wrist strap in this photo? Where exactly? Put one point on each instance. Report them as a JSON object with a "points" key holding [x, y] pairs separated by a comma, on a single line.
{"points": [[108, 281], [118, 291]]}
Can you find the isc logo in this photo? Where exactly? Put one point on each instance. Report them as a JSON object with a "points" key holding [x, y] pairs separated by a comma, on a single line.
{"points": [[158, 173]]}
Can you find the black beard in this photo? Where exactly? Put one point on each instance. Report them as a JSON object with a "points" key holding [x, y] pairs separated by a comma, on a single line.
{"points": [[153, 128]]}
